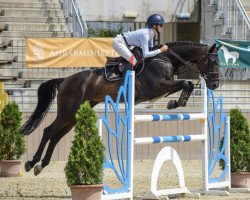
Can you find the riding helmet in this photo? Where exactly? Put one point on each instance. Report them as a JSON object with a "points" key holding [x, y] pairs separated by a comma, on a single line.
{"points": [[154, 19]]}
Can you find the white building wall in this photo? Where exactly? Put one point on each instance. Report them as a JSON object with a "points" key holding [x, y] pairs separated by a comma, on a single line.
{"points": [[114, 10]]}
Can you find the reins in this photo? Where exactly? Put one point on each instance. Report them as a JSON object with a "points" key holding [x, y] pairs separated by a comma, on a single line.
{"points": [[178, 57], [186, 63]]}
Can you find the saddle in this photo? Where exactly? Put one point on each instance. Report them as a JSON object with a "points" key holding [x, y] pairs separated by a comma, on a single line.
{"points": [[115, 66]]}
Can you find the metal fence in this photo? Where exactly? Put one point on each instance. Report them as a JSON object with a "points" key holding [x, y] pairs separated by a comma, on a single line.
{"points": [[74, 17], [119, 25], [236, 21]]}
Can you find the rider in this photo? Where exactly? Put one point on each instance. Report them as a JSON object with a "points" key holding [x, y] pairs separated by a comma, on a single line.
{"points": [[142, 38]]}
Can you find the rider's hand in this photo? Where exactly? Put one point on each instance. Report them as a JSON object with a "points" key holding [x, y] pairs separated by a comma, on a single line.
{"points": [[164, 48]]}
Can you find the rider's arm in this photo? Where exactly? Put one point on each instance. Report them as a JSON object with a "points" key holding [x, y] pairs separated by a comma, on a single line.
{"points": [[145, 44]]}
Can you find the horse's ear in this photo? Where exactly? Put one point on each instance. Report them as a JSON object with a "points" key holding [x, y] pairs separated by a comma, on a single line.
{"points": [[217, 48], [212, 48]]}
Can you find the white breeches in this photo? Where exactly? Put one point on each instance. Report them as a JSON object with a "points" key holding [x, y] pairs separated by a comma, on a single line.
{"points": [[121, 48]]}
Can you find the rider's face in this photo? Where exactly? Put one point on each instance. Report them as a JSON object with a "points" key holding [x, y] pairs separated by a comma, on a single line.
{"points": [[160, 27]]}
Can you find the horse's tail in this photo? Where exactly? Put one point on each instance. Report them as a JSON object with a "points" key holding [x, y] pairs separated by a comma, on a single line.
{"points": [[46, 94]]}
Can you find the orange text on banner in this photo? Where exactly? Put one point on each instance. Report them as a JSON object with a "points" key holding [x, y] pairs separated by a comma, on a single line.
{"points": [[68, 52]]}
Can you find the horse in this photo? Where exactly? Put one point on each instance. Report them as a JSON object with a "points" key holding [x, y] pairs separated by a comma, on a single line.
{"points": [[155, 80]]}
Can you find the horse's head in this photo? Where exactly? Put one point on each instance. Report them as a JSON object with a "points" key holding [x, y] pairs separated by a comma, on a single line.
{"points": [[185, 54], [209, 67]]}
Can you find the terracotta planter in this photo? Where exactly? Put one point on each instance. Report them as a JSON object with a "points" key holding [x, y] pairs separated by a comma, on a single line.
{"points": [[240, 180], [10, 168], [86, 192]]}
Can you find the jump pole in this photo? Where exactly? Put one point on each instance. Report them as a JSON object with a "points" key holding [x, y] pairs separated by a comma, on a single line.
{"points": [[169, 153]]}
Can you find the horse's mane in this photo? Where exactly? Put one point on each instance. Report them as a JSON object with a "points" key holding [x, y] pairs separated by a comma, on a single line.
{"points": [[182, 43], [186, 43]]}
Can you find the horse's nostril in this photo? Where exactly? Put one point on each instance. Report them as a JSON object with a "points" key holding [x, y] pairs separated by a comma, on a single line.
{"points": [[215, 85]]}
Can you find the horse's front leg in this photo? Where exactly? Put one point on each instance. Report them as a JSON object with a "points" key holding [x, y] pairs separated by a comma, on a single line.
{"points": [[187, 88]]}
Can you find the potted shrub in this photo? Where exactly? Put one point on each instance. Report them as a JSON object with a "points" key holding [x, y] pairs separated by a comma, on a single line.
{"points": [[12, 141], [84, 169], [239, 149]]}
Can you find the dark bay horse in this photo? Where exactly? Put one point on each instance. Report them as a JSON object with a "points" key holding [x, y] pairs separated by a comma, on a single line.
{"points": [[155, 80]]}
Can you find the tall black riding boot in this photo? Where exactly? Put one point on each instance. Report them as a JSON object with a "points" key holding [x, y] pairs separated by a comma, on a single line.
{"points": [[128, 66]]}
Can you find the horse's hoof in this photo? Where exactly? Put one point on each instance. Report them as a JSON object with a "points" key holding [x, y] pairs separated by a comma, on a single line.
{"points": [[37, 169], [172, 104], [27, 166]]}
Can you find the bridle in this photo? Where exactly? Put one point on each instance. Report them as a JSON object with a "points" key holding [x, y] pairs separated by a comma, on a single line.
{"points": [[207, 74]]}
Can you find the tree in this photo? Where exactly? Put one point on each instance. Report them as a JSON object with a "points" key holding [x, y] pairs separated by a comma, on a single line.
{"points": [[86, 158], [239, 142], [12, 142]]}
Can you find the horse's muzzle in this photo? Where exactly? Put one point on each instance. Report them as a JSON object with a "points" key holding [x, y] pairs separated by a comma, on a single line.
{"points": [[215, 85], [213, 80], [212, 84]]}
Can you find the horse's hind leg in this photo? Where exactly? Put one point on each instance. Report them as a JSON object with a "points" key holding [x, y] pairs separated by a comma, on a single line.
{"points": [[36, 158], [58, 132], [53, 142]]}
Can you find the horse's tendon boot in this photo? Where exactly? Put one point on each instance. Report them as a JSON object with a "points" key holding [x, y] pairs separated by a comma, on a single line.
{"points": [[183, 98], [188, 89]]}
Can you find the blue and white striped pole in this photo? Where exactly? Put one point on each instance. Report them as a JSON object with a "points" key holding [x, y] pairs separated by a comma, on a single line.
{"points": [[168, 139], [170, 117]]}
